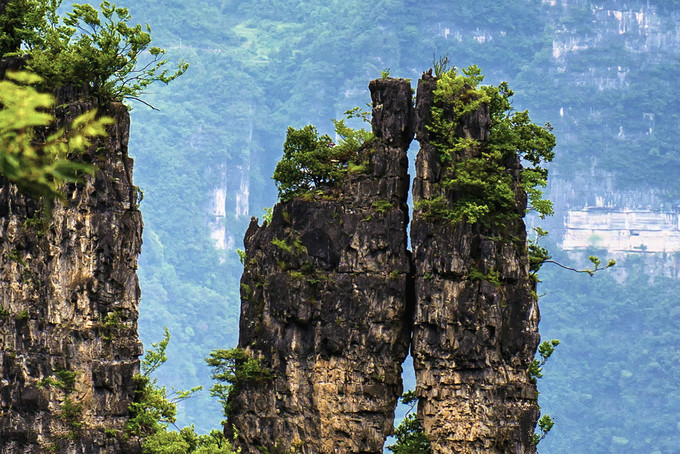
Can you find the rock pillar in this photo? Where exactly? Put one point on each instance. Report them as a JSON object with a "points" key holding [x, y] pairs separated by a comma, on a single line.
{"points": [[476, 319], [69, 299], [325, 302]]}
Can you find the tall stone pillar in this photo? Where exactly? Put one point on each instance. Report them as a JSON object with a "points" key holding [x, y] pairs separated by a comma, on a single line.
{"points": [[69, 300], [476, 319], [325, 302]]}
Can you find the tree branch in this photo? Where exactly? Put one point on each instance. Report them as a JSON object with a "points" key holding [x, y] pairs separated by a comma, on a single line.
{"points": [[142, 101]]}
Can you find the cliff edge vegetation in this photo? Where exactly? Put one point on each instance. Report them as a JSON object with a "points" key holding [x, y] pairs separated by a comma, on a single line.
{"points": [[332, 298], [87, 47]]}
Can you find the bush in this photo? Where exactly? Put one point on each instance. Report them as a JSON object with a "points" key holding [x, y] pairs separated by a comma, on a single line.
{"points": [[307, 162], [232, 368], [311, 160], [478, 170], [89, 47]]}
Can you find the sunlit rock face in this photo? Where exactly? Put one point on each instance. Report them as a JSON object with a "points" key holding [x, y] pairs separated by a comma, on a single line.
{"points": [[69, 298], [593, 214], [325, 298], [233, 183], [330, 297], [476, 316]]}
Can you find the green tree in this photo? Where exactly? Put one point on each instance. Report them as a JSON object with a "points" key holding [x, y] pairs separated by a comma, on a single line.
{"points": [[153, 411], [410, 435], [307, 162], [478, 170], [311, 160], [232, 368], [40, 167], [88, 47], [16, 17]]}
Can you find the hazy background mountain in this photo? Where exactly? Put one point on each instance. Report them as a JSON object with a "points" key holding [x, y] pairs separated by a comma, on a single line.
{"points": [[602, 72]]}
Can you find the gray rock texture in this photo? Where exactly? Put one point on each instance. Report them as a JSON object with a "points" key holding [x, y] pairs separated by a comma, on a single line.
{"points": [[331, 296], [475, 328], [69, 303], [326, 301]]}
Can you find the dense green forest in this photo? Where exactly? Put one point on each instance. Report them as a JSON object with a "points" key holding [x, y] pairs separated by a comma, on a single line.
{"points": [[601, 72]]}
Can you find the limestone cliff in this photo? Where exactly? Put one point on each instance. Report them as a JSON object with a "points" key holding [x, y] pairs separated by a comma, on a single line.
{"points": [[331, 295], [326, 302], [69, 300], [475, 328]]}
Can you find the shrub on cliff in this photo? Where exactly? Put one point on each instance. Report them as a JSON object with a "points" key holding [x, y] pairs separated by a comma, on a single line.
{"points": [[308, 161], [483, 185], [311, 160], [231, 369], [87, 47]]}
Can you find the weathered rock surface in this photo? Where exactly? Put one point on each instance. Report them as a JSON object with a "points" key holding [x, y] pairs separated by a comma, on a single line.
{"points": [[326, 303], [475, 328], [69, 303]]}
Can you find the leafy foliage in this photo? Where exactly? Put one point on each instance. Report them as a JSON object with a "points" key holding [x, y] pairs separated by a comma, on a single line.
{"points": [[410, 435], [232, 368], [88, 47], [311, 160], [545, 425], [41, 167], [186, 441], [15, 20], [538, 255], [153, 411], [307, 162], [483, 187], [545, 350]]}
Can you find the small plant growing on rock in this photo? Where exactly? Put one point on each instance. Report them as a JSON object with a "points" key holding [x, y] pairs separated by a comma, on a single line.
{"points": [[311, 161], [71, 411], [231, 369], [382, 206], [545, 350], [410, 435]]}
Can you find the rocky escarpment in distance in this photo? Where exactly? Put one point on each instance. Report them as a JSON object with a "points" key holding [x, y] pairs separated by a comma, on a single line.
{"points": [[325, 299], [475, 329], [69, 304]]}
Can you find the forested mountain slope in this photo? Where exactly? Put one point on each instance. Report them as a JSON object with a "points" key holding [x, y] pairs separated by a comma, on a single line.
{"points": [[602, 72]]}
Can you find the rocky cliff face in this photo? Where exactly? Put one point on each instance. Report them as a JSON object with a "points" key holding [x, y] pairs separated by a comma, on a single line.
{"points": [[330, 297], [69, 299], [475, 328], [325, 303]]}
